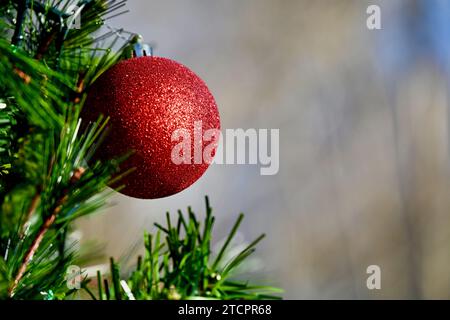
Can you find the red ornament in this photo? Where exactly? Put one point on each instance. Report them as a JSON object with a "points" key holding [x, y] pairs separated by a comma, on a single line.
{"points": [[147, 100]]}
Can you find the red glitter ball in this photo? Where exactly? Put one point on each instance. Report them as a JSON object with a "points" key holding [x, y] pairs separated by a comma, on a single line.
{"points": [[147, 99]]}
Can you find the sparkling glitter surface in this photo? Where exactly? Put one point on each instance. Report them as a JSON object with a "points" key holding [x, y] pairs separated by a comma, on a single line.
{"points": [[147, 99]]}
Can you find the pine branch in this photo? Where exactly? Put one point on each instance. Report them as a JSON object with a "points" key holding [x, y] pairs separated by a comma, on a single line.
{"points": [[45, 76], [42, 232], [31, 251], [183, 268]]}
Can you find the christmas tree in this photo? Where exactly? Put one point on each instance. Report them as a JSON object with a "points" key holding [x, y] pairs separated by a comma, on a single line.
{"points": [[51, 53]]}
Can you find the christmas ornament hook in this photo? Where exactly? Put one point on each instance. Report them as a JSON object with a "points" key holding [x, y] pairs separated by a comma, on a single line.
{"points": [[138, 48]]}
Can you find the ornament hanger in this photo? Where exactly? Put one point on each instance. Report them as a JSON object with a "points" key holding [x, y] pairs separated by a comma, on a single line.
{"points": [[138, 48]]}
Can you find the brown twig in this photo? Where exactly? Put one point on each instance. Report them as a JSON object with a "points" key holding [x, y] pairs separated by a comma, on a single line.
{"points": [[40, 235], [79, 88], [22, 75], [33, 248]]}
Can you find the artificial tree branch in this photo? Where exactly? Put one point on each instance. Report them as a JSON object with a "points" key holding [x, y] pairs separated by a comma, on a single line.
{"points": [[32, 250], [53, 14], [48, 58], [40, 235], [21, 13]]}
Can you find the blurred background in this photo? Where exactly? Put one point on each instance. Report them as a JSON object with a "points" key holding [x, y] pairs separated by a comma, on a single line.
{"points": [[364, 139]]}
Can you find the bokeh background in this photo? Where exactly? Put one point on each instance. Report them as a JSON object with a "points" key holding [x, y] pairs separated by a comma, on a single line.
{"points": [[364, 139]]}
